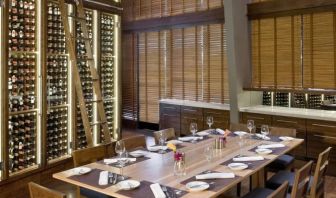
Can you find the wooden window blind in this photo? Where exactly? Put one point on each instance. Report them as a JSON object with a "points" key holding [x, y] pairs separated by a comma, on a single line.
{"points": [[186, 63], [276, 52], [319, 53]]}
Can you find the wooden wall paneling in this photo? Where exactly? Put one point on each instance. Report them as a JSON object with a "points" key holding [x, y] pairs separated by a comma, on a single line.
{"points": [[299, 125], [259, 119], [321, 135], [170, 117], [189, 115]]}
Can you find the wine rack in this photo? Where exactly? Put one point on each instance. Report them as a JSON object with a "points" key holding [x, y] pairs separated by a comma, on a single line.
{"points": [[314, 101], [298, 100], [57, 133], [267, 98], [22, 141], [56, 35], [331, 98], [81, 138], [107, 67], [281, 99], [22, 85]]}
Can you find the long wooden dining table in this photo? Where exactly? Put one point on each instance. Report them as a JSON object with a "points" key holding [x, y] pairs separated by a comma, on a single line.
{"points": [[159, 168]]}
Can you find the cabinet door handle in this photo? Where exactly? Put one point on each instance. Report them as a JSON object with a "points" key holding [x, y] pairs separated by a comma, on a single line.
{"points": [[324, 125], [287, 121], [325, 137]]}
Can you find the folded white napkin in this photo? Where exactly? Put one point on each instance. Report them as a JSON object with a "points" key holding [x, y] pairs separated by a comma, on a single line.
{"points": [[286, 138], [216, 176], [157, 148], [202, 133], [115, 160], [157, 191], [138, 153], [268, 146], [240, 133], [187, 139], [175, 142], [103, 178], [263, 137], [221, 131], [247, 159]]}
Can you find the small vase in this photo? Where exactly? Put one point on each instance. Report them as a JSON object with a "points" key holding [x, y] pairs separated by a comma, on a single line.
{"points": [[179, 164]]}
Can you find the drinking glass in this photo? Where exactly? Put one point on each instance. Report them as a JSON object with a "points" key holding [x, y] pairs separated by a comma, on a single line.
{"points": [[123, 160], [241, 144], [250, 125], [264, 130], [208, 152], [120, 147], [162, 141], [210, 121], [193, 130]]}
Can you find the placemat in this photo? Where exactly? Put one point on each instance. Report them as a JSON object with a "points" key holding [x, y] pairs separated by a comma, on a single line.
{"points": [[144, 190], [90, 179], [215, 184], [252, 165], [273, 138], [179, 146], [138, 160], [276, 151]]}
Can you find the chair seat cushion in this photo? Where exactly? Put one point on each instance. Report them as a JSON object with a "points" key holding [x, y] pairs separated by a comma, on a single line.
{"points": [[279, 178], [281, 163], [92, 194], [259, 193]]}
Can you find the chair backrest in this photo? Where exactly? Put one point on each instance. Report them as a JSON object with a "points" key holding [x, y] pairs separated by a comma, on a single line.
{"points": [[301, 181], [89, 155], [110, 149], [280, 192], [280, 131], [239, 127], [37, 191], [170, 134], [320, 171], [135, 142]]}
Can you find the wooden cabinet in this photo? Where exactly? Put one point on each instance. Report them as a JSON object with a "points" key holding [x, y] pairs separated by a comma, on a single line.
{"points": [[221, 118], [297, 123], [170, 117], [189, 115], [321, 135], [259, 119]]}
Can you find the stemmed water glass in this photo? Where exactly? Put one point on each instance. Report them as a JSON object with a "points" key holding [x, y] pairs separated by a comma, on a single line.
{"points": [[120, 147], [250, 125], [264, 130], [193, 130], [123, 160], [210, 121], [162, 141]]}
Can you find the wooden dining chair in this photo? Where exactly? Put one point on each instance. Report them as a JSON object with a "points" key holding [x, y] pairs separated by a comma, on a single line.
{"points": [[138, 141], [280, 192], [37, 191], [298, 181], [169, 133], [283, 162], [318, 178], [86, 156]]}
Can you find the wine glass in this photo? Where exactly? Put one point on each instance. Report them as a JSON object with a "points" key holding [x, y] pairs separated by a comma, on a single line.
{"points": [[264, 130], [162, 141], [122, 161], [210, 121], [250, 125], [193, 130], [208, 152], [120, 147]]}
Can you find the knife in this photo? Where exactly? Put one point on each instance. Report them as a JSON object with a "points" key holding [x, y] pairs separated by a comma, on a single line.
{"points": [[165, 191]]}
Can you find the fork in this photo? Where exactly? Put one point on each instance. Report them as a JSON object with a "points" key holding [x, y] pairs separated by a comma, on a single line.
{"points": [[165, 190]]}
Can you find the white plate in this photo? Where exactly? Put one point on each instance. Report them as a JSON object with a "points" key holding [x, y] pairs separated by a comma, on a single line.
{"points": [[175, 142], [263, 151], [128, 184], [137, 153], [202, 133], [286, 138], [237, 166], [197, 186], [240, 133], [81, 170]]}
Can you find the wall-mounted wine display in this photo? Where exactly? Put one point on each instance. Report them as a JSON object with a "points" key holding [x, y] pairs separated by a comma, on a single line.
{"points": [[81, 138], [298, 100], [267, 98], [314, 101], [109, 109], [330, 98], [22, 141], [57, 133], [281, 99], [56, 35]]}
